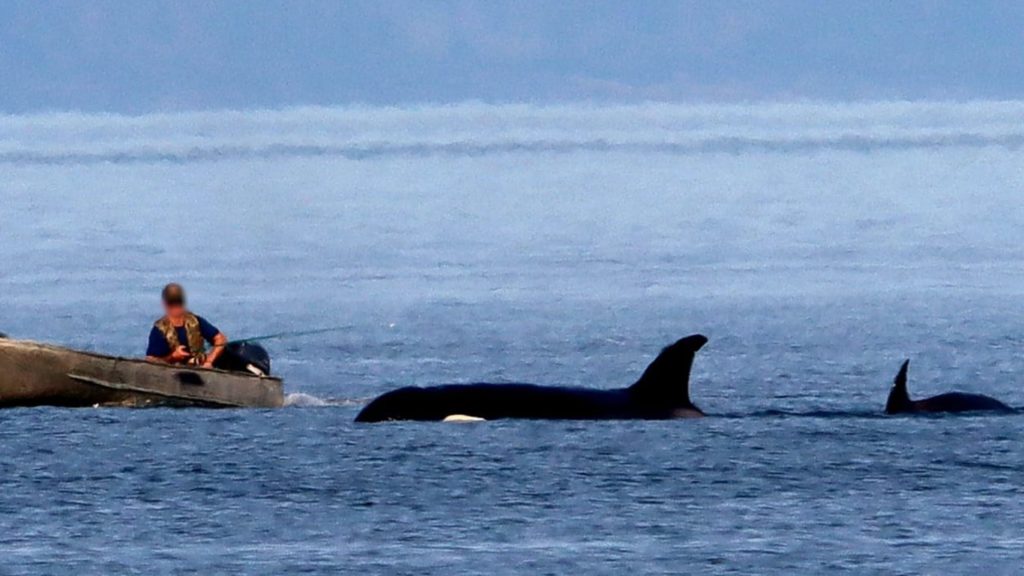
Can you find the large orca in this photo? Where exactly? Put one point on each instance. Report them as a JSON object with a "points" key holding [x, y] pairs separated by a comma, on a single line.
{"points": [[900, 403], [663, 392]]}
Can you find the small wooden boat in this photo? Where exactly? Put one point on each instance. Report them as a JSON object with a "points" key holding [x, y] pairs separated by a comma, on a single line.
{"points": [[34, 374]]}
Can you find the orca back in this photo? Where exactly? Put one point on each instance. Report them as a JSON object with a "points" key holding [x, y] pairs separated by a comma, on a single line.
{"points": [[960, 402]]}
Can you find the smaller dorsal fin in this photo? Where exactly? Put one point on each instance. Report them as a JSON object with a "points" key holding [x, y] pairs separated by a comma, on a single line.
{"points": [[667, 380], [899, 398]]}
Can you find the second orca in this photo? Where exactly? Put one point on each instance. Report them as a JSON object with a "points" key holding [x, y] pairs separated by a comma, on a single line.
{"points": [[900, 403]]}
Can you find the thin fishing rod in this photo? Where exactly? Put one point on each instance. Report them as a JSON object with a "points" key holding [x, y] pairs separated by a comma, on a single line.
{"points": [[289, 334]]}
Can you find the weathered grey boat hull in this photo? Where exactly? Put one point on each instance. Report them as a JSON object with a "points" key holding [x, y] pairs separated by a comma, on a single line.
{"points": [[33, 374]]}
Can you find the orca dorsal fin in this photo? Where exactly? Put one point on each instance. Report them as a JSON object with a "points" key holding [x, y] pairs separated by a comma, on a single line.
{"points": [[667, 379], [899, 398]]}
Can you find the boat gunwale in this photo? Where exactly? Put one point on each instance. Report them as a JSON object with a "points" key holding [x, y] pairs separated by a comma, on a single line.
{"points": [[143, 361]]}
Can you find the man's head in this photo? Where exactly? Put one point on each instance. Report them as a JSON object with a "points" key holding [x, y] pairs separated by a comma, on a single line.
{"points": [[173, 297]]}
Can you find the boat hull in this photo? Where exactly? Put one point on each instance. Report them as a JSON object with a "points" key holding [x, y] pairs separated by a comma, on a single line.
{"points": [[33, 374]]}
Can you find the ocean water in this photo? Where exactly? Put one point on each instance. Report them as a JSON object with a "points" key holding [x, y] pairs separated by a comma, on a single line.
{"points": [[816, 245]]}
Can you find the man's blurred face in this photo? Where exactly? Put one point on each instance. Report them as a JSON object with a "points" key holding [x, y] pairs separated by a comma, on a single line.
{"points": [[174, 306]]}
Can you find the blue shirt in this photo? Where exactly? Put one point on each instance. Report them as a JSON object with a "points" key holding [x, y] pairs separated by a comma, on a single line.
{"points": [[159, 348]]}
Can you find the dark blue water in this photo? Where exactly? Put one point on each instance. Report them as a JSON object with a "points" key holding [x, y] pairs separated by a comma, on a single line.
{"points": [[813, 272]]}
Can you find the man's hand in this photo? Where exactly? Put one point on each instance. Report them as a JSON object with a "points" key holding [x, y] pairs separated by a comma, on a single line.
{"points": [[180, 355]]}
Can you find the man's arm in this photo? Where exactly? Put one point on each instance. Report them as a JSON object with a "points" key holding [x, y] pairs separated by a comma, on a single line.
{"points": [[217, 348], [215, 337]]}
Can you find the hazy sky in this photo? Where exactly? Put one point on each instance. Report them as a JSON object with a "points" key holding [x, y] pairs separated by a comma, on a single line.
{"points": [[137, 55]]}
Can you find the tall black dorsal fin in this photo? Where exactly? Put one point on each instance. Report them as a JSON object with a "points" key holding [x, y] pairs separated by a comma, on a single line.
{"points": [[667, 379], [899, 398]]}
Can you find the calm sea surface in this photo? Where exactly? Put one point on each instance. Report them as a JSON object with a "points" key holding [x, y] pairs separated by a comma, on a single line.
{"points": [[817, 246]]}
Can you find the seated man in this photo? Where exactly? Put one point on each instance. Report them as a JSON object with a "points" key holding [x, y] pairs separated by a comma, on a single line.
{"points": [[180, 337]]}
